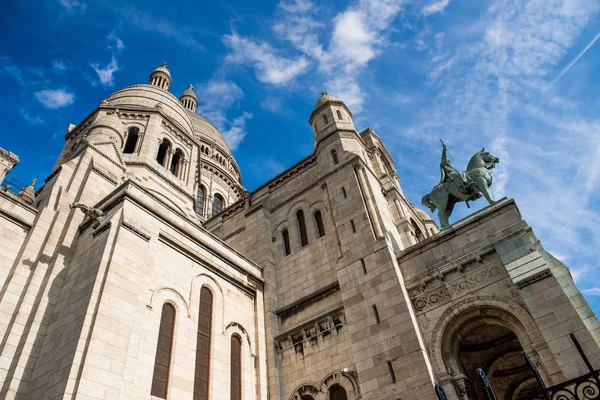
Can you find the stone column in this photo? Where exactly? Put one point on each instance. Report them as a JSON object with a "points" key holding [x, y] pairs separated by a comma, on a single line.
{"points": [[362, 182]]}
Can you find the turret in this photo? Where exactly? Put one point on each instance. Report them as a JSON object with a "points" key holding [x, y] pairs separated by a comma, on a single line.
{"points": [[161, 77], [329, 115], [188, 99]]}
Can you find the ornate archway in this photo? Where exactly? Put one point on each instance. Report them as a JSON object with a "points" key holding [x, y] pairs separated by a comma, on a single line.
{"points": [[489, 333]]}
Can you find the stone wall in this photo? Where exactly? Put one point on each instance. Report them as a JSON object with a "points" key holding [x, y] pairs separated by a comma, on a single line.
{"points": [[491, 268]]}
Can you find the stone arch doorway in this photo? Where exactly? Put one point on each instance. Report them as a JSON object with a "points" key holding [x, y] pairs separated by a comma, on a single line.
{"points": [[488, 334]]}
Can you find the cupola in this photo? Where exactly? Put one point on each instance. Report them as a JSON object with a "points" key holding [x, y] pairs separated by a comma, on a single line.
{"points": [[329, 115], [188, 99], [161, 77]]}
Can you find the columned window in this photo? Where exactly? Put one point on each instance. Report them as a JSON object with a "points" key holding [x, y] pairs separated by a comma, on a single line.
{"points": [[132, 139], [203, 339], [162, 362], [200, 196], [302, 228], [319, 222], [217, 205], [286, 242], [177, 163], [163, 152], [236, 368]]}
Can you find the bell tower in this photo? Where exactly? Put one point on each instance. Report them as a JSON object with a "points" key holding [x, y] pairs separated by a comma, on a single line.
{"points": [[330, 115]]}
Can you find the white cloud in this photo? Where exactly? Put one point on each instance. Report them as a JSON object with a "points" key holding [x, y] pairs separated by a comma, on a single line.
{"points": [[73, 5], [115, 42], [54, 98], [595, 291], [216, 97], [180, 33], [31, 120], [106, 74], [237, 130], [270, 67], [435, 7], [59, 66]]}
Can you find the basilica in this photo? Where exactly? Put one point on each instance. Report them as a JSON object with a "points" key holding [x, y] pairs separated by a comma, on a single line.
{"points": [[143, 269]]}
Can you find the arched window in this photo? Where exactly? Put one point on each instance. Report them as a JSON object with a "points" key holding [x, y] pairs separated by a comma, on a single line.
{"points": [[286, 242], [302, 228], [163, 152], [236, 368], [162, 362], [200, 196], [202, 372], [339, 114], [319, 222], [325, 118], [177, 163], [336, 392], [334, 156], [418, 233], [132, 139], [217, 205]]}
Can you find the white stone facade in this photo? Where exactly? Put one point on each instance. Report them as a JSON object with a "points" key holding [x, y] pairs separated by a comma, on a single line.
{"points": [[335, 284]]}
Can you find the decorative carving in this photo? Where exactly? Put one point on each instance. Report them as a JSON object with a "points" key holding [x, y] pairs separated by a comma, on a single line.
{"points": [[464, 284], [534, 278], [92, 213]]}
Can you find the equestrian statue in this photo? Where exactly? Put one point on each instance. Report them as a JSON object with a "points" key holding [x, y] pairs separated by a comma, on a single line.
{"points": [[456, 186]]}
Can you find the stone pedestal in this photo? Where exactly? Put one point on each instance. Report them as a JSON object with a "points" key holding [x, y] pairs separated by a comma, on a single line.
{"points": [[484, 290]]}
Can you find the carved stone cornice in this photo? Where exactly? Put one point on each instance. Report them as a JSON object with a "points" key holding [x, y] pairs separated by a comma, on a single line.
{"points": [[534, 278]]}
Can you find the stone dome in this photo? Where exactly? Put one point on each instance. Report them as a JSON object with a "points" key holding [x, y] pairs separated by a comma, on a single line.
{"points": [[143, 97], [163, 68], [423, 215], [189, 92], [161, 77], [207, 133], [324, 100], [325, 97]]}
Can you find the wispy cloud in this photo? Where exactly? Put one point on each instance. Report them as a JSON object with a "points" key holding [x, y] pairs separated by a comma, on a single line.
{"points": [[114, 42], [59, 66], [492, 94], [182, 34], [435, 7], [270, 66], [105, 74], [218, 96], [55, 98], [358, 35], [237, 130], [73, 6], [31, 119]]}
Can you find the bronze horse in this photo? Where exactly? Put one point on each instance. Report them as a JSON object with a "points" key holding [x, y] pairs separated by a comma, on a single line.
{"points": [[478, 180]]}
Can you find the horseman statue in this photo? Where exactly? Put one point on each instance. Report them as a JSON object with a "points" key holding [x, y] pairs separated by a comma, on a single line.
{"points": [[456, 186]]}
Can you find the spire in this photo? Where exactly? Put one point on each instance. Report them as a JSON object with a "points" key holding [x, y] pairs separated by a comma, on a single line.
{"points": [[161, 77], [188, 99]]}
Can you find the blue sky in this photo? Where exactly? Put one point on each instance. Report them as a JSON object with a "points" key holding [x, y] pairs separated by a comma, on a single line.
{"points": [[518, 77]]}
